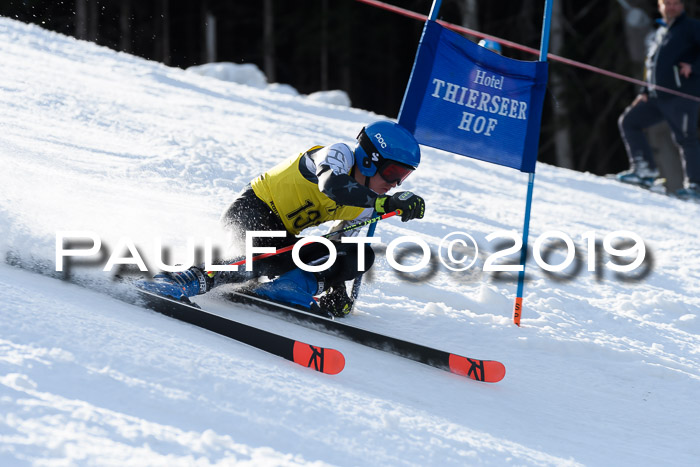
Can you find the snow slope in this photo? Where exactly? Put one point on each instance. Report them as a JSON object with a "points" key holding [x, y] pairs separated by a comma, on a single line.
{"points": [[604, 371]]}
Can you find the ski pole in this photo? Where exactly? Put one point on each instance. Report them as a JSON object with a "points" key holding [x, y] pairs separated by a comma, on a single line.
{"points": [[328, 235], [357, 283], [371, 220]]}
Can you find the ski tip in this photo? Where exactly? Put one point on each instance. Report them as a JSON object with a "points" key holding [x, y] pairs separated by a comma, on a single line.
{"points": [[488, 371], [328, 361]]}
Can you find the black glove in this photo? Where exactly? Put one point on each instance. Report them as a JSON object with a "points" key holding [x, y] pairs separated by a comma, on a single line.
{"points": [[411, 206]]}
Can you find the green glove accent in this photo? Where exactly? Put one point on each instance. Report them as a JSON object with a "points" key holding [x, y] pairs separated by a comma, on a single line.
{"points": [[411, 206], [379, 204]]}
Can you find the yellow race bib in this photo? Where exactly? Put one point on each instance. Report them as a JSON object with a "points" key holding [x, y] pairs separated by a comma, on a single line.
{"points": [[296, 200]]}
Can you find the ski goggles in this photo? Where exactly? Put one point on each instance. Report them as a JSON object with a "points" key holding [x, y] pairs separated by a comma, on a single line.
{"points": [[391, 171], [394, 172]]}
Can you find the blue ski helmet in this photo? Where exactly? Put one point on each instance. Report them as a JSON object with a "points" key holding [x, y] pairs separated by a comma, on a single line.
{"points": [[491, 45], [388, 148]]}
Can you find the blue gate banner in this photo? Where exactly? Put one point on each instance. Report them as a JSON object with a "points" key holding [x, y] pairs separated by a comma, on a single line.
{"points": [[466, 99]]}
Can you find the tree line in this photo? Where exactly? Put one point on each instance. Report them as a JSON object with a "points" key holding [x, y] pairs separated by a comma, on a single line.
{"points": [[368, 52]]}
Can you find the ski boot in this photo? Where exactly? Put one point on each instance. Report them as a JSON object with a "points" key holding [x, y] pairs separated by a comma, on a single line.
{"points": [[640, 174], [691, 193], [336, 301], [295, 287], [659, 186], [178, 285]]}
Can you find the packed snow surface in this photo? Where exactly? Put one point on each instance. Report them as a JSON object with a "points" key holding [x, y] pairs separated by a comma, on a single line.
{"points": [[605, 369]]}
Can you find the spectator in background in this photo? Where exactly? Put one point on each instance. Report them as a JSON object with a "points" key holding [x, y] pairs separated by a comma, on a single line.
{"points": [[673, 62], [491, 45]]}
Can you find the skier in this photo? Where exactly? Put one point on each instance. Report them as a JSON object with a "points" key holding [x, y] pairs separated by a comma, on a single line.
{"points": [[322, 184]]}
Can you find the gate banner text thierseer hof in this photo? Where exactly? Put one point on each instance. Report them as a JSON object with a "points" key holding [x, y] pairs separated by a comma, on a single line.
{"points": [[468, 100]]}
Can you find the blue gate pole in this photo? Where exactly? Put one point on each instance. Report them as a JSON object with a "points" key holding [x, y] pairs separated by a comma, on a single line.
{"points": [[544, 48], [434, 10], [370, 233], [357, 283]]}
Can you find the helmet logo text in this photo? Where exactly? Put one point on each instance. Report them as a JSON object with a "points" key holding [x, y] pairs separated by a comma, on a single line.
{"points": [[380, 140]]}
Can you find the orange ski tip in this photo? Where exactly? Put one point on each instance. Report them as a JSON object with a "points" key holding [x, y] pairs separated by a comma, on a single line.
{"points": [[517, 310], [480, 370], [328, 361]]}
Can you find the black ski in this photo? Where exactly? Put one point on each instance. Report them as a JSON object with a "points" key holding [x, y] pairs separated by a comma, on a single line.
{"points": [[325, 360], [480, 370]]}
